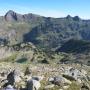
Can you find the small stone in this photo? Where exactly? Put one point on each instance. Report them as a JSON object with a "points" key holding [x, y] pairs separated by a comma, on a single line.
{"points": [[66, 87], [38, 78], [49, 87], [51, 79]]}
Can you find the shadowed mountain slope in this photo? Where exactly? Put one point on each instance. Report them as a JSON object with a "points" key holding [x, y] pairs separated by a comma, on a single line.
{"points": [[45, 32]]}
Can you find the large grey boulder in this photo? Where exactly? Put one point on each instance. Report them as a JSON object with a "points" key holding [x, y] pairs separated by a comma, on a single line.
{"points": [[9, 87], [33, 85], [75, 74], [49, 87], [13, 77], [10, 78], [59, 80]]}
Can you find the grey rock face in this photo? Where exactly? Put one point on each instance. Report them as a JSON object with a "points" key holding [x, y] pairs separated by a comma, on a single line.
{"points": [[12, 16], [9, 87], [85, 87], [59, 80], [33, 85], [13, 77], [75, 73], [49, 87], [27, 71], [10, 78]]}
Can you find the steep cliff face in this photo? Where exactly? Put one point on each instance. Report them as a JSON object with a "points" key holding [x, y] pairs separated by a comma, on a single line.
{"points": [[13, 16]]}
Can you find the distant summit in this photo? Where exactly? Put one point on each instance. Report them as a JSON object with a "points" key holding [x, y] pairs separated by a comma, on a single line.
{"points": [[76, 18], [68, 17], [45, 32], [13, 16]]}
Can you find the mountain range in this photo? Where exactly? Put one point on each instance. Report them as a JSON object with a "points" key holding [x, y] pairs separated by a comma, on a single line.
{"points": [[46, 33]]}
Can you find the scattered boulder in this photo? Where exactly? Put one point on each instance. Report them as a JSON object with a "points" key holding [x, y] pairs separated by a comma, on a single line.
{"points": [[88, 77], [38, 78], [13, 77], [27, 81], [45, 61], [9, 87], [27, 71], [49, 87], [75, 74], [85, 87], [33, 85], [83, 71], [51, 79], [10, 78], [27, 78], [66, 87], [59, 80], [69, 77]]}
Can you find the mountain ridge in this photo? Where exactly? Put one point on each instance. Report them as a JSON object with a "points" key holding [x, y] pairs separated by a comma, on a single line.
{"points": [[45, 32], [13, 13], [14, 16]]}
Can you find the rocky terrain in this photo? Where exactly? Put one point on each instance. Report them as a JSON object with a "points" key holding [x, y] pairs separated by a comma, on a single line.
{"points": [[44, 77], [44, 53], [45, 32], [25, 67]]}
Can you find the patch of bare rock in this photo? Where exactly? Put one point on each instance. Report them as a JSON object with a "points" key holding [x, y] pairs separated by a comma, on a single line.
{"points": [[15, 79]]}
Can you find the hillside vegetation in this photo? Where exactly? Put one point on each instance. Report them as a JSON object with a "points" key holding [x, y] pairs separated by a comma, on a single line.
{"points": [[45, 32]]}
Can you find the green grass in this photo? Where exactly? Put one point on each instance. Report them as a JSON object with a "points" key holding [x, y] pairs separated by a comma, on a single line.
{"points": [[74, 86], [10, 58]]}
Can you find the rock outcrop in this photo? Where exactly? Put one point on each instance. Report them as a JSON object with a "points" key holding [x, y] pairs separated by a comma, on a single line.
{"points": [[12, 16]]}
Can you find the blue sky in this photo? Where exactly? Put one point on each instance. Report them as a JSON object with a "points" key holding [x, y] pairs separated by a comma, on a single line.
{"points": [[53, 8]]}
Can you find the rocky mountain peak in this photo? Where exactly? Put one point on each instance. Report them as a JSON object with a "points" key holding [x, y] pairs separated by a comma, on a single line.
{"points": [[10, 16], [10, 12], [13, 16], [76, 18], [68, 16]]}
